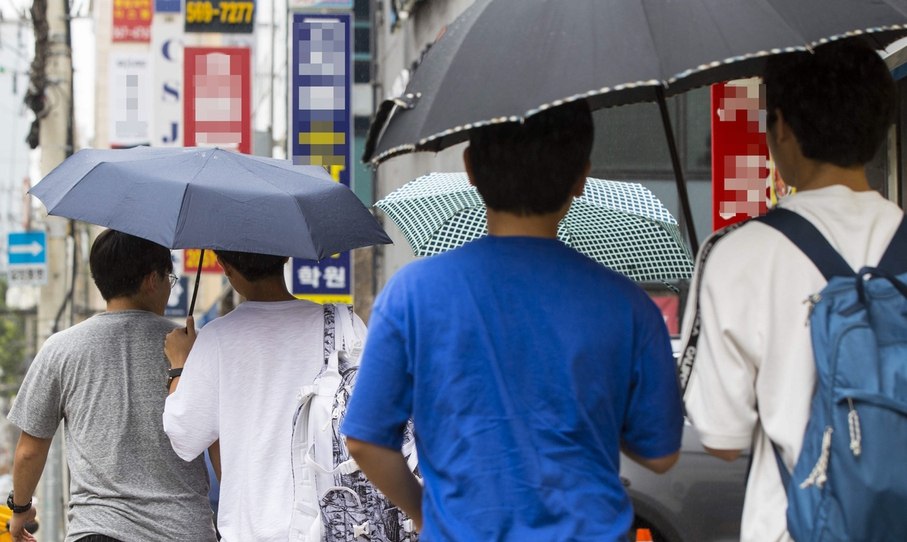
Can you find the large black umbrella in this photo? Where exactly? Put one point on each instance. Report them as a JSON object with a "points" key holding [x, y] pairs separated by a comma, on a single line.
{"points": [[504, 60]]}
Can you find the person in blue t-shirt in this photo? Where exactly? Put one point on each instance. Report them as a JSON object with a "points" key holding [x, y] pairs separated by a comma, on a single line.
{"points": [[525, 366]]}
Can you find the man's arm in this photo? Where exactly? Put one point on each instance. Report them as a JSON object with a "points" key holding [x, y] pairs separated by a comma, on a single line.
{"points": [[31, 455], [659, 465], [177, 345], [387, 469], [214, 457], [727, 455]]}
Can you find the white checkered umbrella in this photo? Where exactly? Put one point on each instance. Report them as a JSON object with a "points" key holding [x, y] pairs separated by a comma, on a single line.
{"points": [[619, 224]]}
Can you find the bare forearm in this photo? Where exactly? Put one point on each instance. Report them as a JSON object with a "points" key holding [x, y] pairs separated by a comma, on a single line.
{"points": [[31, 455], [387, 469], [659, 465]]}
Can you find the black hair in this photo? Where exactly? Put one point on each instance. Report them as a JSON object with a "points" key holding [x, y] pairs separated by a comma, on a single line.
{"points": [[253, 266], [838, 100], [120, 261], [529, 167]]}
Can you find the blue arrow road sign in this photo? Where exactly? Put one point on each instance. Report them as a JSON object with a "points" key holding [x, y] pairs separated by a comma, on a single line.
{"points": [[27, 248]]}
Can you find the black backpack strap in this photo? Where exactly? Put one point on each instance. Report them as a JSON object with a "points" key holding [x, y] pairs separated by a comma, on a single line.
{"points": [[895, 258], [809, 240]]}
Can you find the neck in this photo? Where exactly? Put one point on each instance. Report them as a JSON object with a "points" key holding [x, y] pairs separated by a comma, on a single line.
{"points": [[814, 175], [270, 289], [506, 224], [118, 304]]}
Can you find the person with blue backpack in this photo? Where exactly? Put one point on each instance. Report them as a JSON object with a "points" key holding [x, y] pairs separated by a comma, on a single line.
{"points": [[795, 335]]}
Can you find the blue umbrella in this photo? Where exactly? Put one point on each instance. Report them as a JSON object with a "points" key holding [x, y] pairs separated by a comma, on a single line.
{"points": [[211, 198]]}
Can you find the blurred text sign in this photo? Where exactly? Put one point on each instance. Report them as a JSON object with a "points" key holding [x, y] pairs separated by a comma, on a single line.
{"points": [[321, 133], [27, 257], [191, 257], [740, 174]]}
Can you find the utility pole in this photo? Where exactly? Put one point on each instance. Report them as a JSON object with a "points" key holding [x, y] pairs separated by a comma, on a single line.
{"points": [[52, 92]]}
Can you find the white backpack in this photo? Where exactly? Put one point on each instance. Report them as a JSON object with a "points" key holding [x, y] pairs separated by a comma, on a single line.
{"points": [[333, 500]]}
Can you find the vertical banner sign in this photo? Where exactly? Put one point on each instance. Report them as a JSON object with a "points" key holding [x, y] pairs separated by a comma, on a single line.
{"points": [[740, 173], [217, 109], [130, 99], [321, 133], [132, 21], [167, 94]]}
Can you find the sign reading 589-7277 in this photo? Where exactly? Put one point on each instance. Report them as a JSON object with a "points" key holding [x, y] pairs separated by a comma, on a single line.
{"points": [[220, 16]]}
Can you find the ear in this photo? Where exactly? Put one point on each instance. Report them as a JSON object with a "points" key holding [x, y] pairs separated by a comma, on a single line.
{"points": [[467, 165], [149, 282], [781, 128], [580, 184], [223, 265]]}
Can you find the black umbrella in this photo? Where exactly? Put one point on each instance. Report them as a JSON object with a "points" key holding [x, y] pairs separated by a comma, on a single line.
{"points": [[504, 60]]}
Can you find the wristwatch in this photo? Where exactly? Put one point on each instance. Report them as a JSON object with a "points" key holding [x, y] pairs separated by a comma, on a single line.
{"points": [[17, 508], [173, 374]]}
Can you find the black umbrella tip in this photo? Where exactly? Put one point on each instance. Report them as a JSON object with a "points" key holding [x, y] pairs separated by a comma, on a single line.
{"points": [[375, 129]]}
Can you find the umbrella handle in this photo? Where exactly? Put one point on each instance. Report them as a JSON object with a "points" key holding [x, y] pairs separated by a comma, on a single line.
{"points": [[198, 276]]}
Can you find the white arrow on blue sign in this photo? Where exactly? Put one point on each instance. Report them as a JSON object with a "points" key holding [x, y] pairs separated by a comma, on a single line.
{"points": [[27, 248]]}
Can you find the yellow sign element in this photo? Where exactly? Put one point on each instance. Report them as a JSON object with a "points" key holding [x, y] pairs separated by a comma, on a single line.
{"points": [[326, 298], [335, 172], [322, 138], [190, 261], [204, 12]]}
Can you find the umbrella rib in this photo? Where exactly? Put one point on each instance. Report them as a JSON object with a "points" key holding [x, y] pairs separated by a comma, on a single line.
{"points": [[661, 69], [784, 21], [305, 219]]}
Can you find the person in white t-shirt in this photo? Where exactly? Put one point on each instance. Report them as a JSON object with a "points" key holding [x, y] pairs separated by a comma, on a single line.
{"points": [[750, 369], [237, 391]]}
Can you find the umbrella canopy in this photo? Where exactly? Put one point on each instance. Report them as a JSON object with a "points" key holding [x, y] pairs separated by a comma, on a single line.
{"points": [[211, 198], [504, 60], [621, 225]]}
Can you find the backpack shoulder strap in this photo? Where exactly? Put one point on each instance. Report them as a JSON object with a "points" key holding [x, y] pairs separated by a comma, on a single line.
{"points": [[330, 327], [809, 240], [895, 258]]}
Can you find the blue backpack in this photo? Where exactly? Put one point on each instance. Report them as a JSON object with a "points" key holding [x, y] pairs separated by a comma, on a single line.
{"points": [[850, 480]]}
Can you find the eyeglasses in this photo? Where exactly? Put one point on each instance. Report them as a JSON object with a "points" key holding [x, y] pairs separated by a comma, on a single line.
{"points": [[173, 280]]}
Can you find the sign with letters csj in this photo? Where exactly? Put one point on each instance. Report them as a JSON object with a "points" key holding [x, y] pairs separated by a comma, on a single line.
{"points": [[167, 73], [27, 258], [321, 133]]}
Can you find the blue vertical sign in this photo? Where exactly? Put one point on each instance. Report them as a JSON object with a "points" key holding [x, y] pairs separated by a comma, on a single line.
{"points": [[321, 133]]}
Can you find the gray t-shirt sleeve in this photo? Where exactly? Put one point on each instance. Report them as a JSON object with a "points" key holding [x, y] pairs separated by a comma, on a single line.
{"points": [[38, 407]]}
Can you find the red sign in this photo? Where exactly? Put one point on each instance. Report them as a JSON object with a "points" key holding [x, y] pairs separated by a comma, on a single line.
{"points": [[217, 108], [132, 20], [670, 308], [740, 173], [191, 257]]}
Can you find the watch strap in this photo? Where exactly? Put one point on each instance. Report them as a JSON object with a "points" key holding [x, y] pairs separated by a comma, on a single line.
{"points": [[173, 374], [17, 508]]}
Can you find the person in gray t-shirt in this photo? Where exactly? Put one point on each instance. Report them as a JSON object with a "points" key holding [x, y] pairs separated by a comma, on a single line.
{"points": [[106, 377]]}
